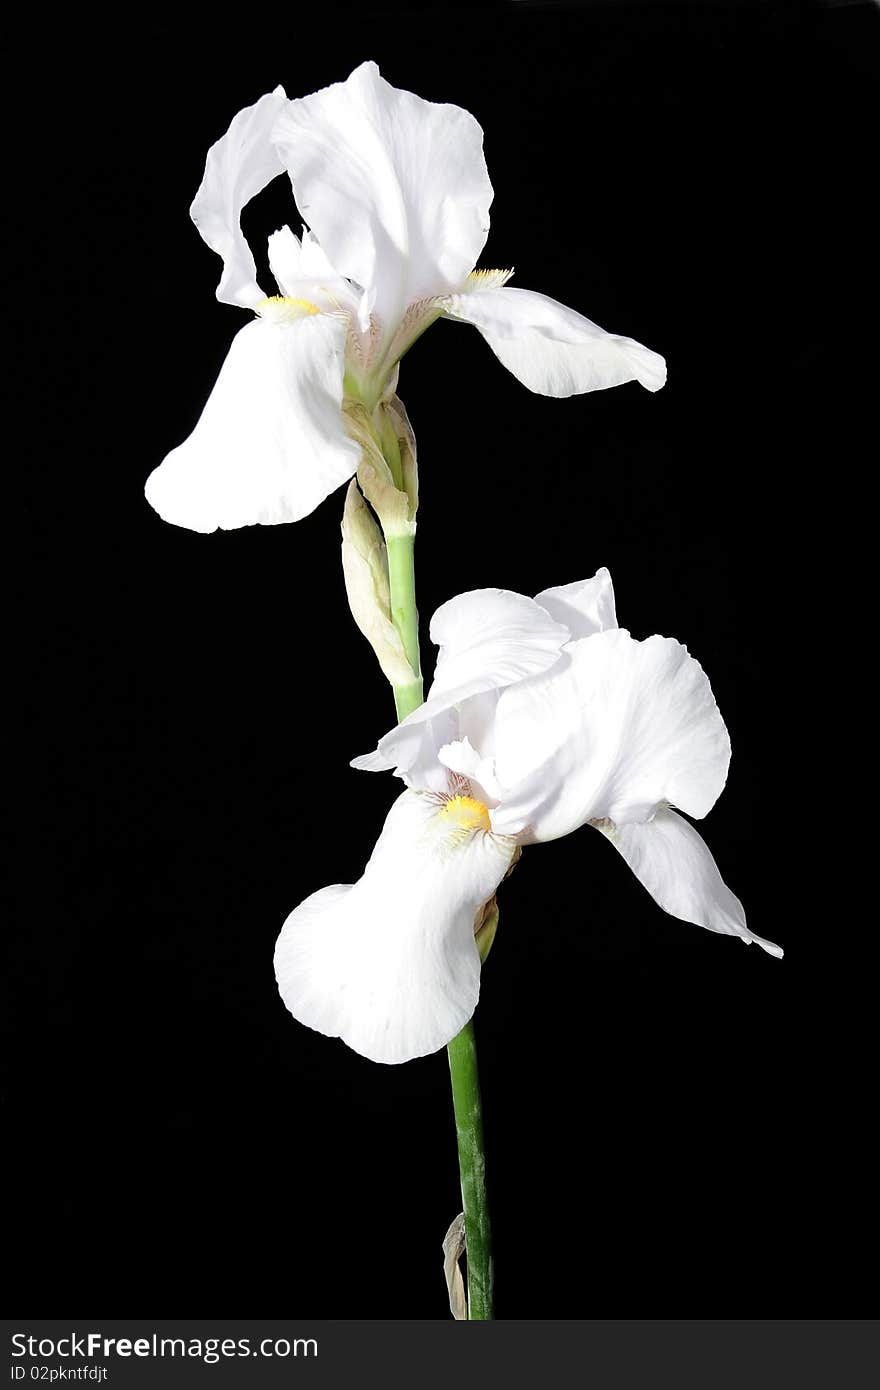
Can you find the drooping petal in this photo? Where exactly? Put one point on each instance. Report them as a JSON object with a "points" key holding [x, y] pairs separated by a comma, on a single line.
{"points": [[552, 349], [586, 606], [673, 862], [389, 964], [394, 187], [488, 638], [239, 165], [613, 730], [270, 443]]}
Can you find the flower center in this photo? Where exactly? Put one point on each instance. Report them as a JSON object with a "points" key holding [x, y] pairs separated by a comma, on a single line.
{"points": [[467, 813], [282, 308]]}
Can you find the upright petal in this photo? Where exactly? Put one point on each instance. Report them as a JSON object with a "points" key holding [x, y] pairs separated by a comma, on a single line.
{"points": [[270, 443], [673, 862], [586, 606], [488, 638], [551, 349], [239, 166], [394, 187], [613, 730], [389, 964]]}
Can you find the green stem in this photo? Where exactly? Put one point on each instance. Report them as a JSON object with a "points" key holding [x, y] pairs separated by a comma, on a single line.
{"points": [[472, 1163], [401, 580], [463, 1049]]}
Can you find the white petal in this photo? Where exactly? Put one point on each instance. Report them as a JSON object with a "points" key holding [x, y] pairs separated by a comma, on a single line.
{"points": [[412, 750], [302, 271], [613, 730], [675, 865], [488, 638], [286, 260], [389, 964], [461, 757], [395, 187], [238, 166], [314, 260], [552, 349], [270, 443], [586, 606]]}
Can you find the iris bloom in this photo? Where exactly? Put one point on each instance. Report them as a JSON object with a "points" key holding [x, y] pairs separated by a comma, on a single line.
{"points": [[544, 716], [395, 194]]}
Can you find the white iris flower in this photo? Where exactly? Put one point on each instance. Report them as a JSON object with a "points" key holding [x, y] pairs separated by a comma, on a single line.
{"points": [[395, 194], [544, 716]]}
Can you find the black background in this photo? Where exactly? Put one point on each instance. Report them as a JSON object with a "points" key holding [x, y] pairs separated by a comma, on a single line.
{"points": [[674, 1121]]}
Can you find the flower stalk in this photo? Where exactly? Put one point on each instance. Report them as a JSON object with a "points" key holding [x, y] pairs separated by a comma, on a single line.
{"points": [[462, 1050], [401, 578], [465, 1077]]}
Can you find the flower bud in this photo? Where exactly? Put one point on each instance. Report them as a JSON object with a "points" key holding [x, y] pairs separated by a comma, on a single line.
{"points": [[397, 424], [388, 475], [365, 568]]}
